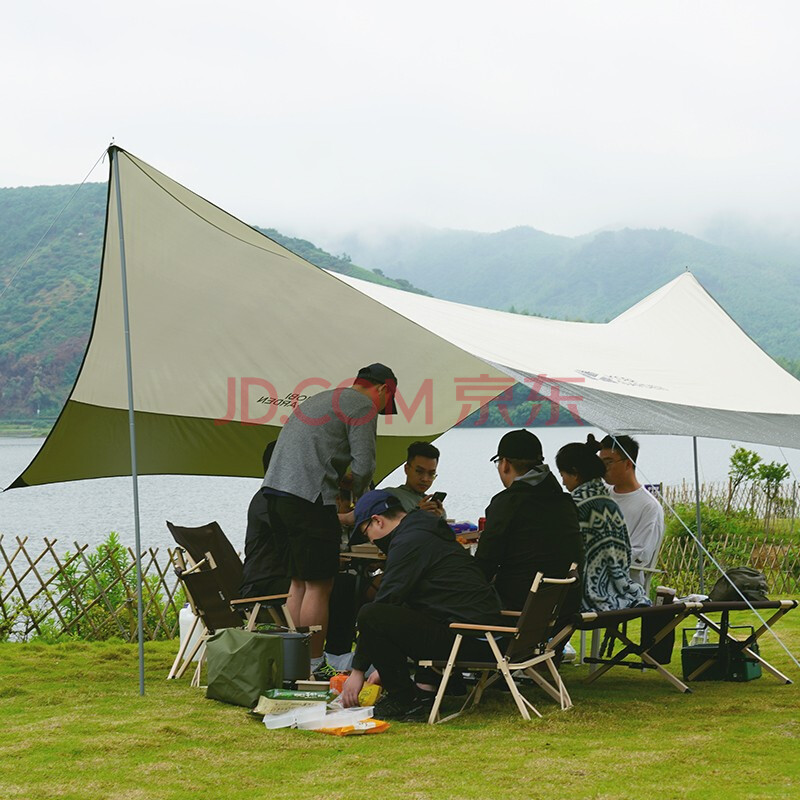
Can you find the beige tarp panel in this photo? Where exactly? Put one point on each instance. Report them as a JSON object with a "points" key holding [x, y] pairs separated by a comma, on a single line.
{"points": [[227, 325], [675, 363]]}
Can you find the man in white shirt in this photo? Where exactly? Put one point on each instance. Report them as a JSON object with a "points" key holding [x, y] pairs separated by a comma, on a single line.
{"points": [[643, 514]]}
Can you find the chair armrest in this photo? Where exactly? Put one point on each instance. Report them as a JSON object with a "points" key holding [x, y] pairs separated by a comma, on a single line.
{"points": [[251, 600], [652, 570], [465, 626], [511, 613]]}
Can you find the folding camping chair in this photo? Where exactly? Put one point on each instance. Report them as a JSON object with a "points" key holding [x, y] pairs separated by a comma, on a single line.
{"points": [[526, 646], [211, 573]]}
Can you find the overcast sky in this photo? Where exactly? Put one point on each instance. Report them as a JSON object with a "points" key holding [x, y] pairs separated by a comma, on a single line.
{"points": [[314, 116]]}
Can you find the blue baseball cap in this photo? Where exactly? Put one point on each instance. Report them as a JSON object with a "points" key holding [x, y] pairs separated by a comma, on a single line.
{"points": [[375, 502]]}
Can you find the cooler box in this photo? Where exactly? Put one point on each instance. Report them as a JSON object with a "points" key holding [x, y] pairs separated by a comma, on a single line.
{"points": [[735, 667]]}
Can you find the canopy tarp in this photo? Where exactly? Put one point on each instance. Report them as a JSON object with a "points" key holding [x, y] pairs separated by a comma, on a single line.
{"points": [[228, 328]]}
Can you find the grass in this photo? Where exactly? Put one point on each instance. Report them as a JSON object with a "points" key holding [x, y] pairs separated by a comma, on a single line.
{"points": [[74, 726]]}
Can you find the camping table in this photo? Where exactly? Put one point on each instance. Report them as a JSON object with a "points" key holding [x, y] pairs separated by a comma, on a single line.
{"points": [[660, 621]]}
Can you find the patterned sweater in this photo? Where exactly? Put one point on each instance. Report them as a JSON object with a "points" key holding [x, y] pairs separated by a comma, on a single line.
{"points": [[606, 580]]}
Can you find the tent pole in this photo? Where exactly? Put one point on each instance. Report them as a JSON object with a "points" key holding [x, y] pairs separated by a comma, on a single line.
{"points": [[697, 516], [131, 422]]}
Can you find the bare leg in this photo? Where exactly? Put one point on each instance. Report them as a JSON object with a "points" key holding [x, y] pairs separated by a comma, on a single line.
{"points": [[295, 600], [314, 611]]}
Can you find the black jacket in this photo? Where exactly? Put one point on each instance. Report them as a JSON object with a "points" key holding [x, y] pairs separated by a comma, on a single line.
{"points": [[532, 526], [429, 571]]}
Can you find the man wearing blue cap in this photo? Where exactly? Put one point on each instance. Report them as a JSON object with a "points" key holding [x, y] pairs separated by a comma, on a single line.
{"points": [[429, 581], [331, 431]]}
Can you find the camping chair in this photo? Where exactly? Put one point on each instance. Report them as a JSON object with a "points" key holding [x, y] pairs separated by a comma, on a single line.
{"points": [[526, 647], [211, 573]]}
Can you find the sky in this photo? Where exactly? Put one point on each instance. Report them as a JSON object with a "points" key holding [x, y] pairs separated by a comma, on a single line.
{"points": [[320, 116]]}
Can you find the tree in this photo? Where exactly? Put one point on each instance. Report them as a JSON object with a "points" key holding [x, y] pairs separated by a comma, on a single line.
{"points": [[742, 470]]}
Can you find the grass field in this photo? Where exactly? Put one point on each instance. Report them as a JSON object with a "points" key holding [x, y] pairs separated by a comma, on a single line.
{"points": [[74, 726]]}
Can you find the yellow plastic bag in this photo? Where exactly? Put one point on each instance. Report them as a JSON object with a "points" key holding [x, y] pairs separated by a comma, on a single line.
{"points": [[357, 728]]}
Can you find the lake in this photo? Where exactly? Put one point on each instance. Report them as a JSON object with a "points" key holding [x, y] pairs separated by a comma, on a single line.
{"points": [[86, 511]]}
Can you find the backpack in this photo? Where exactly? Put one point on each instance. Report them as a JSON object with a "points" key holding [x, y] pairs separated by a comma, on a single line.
{"points": [[750, 582]]}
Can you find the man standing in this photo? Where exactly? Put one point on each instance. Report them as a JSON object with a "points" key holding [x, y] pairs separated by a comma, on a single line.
{"points": [[327, 433], [420, 468], [643, 514], [531, 526], [429, 581]]}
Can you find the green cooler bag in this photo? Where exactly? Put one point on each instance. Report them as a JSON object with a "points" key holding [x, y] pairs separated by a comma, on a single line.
{"points": [[242, 665]]}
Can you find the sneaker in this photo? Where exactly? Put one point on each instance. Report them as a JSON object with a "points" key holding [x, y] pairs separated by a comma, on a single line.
{"points": [[569, 654], [396, 705], [407, 706], [421, 709], [324, 672]]}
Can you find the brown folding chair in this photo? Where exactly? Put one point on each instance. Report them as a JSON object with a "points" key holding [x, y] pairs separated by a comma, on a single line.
{"points": [[211, 573], [519, 648]]}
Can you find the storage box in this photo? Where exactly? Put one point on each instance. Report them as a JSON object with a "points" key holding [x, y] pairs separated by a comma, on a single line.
{"points": [[735, 666]]}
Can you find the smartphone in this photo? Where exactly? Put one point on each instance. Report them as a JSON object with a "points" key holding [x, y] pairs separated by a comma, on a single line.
{"points": [[439, 496]]}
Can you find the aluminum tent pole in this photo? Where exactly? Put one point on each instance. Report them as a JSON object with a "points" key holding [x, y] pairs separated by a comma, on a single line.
{"points": [[113, 155], [699, 522]]}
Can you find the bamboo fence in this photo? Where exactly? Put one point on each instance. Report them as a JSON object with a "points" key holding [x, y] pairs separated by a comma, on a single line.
{"points": [[93, 595]]}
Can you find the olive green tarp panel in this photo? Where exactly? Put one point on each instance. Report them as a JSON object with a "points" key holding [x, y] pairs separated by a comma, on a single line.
{"points": [[226, 324], [91, 442]]}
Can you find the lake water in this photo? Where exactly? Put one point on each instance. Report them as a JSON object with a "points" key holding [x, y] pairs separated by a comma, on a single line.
{"points": [[86, 511]]}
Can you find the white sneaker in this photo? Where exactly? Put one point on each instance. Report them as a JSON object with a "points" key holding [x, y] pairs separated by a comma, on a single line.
{"points": [[569, 655]]}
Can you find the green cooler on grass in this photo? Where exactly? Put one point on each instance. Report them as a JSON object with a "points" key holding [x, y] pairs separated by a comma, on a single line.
{"points": [[730, 664]]}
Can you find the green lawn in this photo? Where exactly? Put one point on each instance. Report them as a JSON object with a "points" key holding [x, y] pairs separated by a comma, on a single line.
{"points": [[74, 726]]}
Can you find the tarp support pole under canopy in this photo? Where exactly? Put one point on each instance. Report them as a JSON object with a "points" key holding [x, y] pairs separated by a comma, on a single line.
{"points": [[131, 422], [699, 522]]}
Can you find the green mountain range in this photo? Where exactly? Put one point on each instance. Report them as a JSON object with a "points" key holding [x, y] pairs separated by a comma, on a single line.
{"points": [[47, 301]]}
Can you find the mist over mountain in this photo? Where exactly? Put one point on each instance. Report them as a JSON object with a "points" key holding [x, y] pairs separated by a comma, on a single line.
{"points": [[597, 276]]}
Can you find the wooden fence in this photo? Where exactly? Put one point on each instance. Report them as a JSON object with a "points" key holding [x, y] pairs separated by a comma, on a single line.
{"points": [[725, 497], [778, 559], [87, 595], [93, 595]]}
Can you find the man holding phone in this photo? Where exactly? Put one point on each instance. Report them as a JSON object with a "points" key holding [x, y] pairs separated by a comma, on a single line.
{"points": [[420, 468]]}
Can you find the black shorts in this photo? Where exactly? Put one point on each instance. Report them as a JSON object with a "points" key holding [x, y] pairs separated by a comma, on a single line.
{"points": [[310, 534]]}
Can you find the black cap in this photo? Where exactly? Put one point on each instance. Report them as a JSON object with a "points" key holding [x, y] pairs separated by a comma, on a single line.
{"points": [[520, 444], [380, 373]]}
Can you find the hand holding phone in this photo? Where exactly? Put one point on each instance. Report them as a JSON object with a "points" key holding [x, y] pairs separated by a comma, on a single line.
{"points": [[439, 496]]}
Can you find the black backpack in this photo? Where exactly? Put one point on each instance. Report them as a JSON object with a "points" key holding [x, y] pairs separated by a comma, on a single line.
{"points": [[750, 582]]}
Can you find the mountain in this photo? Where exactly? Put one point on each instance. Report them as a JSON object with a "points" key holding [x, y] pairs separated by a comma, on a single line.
{"points": [[47, 302], [596, 276]]}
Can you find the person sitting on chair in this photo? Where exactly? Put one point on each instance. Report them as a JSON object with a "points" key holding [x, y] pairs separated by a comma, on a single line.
{"points": [[643, 514], [606, 581], [429, 581], [531, 526], [422, 461]]}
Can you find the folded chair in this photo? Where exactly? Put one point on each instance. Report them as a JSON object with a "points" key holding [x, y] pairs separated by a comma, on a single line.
{"points": [[211, 573], [521, 647]]}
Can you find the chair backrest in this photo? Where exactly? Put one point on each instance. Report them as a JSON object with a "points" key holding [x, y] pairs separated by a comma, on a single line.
{"points": [[204, 593], [210, 539], [539, 614]]}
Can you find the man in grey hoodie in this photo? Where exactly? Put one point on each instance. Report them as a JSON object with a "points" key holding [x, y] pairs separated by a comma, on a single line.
{"points": [[531, 526], [331, 431]]}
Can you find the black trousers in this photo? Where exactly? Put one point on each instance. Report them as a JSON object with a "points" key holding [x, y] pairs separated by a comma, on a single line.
{"points": [[389, 635]]}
